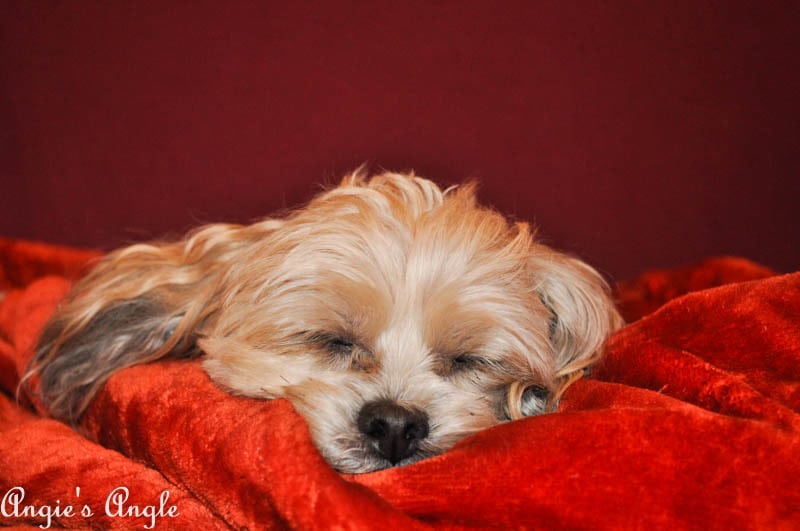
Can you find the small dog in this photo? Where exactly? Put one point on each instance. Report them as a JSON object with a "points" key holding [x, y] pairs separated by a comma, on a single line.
{"points": [[396, 317]]}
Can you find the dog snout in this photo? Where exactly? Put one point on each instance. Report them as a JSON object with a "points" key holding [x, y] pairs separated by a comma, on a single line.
{"points": [[396, 431]]}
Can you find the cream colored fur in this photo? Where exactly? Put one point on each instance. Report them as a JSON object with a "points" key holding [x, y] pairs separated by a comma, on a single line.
{"points": [[385, 288]]}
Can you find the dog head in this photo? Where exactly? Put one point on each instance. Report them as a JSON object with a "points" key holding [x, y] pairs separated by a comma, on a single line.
{"points": [[396, 317]]}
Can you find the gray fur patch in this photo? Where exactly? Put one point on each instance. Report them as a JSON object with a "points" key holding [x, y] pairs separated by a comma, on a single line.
{"points": [[534, 400], [125, 333]]}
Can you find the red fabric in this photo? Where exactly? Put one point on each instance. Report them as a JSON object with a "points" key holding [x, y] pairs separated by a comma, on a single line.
{"points": [[641, 296], [691, 421], [24, 261]]}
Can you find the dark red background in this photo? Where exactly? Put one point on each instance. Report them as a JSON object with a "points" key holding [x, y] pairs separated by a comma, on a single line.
{"points": [[637, 134]]}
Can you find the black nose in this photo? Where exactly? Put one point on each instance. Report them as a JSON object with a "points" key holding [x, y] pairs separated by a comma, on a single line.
{"points": [[396, 430]]}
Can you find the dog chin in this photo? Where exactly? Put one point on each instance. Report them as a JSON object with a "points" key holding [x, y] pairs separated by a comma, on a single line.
{"points": [[363, 460], [363, 455]]}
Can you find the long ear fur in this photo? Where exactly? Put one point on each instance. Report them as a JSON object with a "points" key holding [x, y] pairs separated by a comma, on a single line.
{"points": [[583, 314], [139, 304]]}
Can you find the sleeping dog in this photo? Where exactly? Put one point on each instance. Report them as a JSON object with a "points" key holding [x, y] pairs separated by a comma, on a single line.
{"points": [[396, 317]]}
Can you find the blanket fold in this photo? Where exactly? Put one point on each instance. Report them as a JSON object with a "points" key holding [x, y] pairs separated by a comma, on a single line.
{"points": [[691, 421]]}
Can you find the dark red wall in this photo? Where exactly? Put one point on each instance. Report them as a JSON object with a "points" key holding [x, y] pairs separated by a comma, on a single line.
{"points": [[637, 134]]}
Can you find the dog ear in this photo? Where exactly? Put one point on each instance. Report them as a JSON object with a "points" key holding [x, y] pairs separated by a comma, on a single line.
{"points": [[139, 304], [71, 367], [582, 312]]}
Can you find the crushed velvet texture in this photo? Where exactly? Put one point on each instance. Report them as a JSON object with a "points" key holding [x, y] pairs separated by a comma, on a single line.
{"points": [[690, 421], [645, 294]]}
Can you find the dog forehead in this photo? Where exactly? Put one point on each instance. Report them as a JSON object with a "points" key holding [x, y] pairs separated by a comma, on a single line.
{"points": [[440, 269], [434, 268], [401, 348]]}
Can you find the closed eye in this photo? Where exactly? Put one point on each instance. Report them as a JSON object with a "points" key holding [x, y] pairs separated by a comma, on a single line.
{"points": [[339, 346], [461, 364], [333, 343], [342, 351], [464, 362]]}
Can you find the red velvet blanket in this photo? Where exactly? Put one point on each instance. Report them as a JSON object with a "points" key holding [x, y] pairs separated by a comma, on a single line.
{"points": [[692, 420]]}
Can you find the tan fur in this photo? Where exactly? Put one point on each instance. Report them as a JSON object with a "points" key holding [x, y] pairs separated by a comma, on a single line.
{"points": [[449, 308]]}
